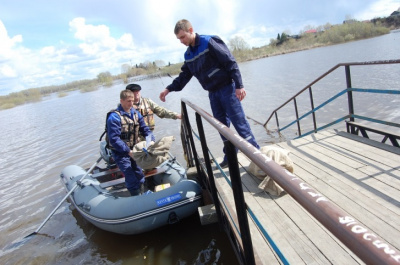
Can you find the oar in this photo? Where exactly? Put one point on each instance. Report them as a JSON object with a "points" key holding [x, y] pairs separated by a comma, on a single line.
{"points": [[66, 196]]}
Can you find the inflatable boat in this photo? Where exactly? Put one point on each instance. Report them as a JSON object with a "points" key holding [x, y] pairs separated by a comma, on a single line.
{"points": [[102, 199]]}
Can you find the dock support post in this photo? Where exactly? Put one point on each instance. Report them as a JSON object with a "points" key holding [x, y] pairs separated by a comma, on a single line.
{"points": [[209, 169], [350, 96], [241, 207]]}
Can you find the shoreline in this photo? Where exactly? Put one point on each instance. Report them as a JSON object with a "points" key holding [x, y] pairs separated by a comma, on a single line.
{"points": [[34, 95], [313, 47]]}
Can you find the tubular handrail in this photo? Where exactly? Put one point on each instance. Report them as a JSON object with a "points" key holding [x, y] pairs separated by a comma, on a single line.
{"points": [[359, 239], [349, 91]]}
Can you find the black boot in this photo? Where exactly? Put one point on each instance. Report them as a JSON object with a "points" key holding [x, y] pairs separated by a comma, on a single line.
{"points": [[136, 192]]}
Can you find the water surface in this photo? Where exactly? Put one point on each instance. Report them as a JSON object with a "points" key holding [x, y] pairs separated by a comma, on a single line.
{"points": [[40, 139]]}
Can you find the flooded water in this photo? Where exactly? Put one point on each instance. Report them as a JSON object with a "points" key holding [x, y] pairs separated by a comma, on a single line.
{"points": [[39, 139]]}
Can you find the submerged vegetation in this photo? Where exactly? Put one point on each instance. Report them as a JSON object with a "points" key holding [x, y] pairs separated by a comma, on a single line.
{"points": [[284, 43]]}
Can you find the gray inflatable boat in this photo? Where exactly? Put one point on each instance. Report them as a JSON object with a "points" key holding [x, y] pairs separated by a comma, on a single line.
{"points": [[102, 199]]}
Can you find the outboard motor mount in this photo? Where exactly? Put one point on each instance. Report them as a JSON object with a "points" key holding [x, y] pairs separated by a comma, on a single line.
{"points": [[105, 153]]}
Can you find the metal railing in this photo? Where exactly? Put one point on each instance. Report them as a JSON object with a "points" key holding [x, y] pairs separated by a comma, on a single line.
{"points": [[348, 90], [338, 222]]}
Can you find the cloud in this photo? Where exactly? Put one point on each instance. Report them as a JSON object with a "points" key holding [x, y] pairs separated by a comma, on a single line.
{"points": [[90, 37], [95, 51], [381, 8], [7, 52], [6, 43], [7, 71]]}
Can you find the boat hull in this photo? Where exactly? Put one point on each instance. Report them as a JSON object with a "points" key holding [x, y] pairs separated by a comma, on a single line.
{"points": [[138, 214]]}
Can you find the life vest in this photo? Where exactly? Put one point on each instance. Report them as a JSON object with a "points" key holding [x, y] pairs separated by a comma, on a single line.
{"points": [[129, 129], [147, 113]]}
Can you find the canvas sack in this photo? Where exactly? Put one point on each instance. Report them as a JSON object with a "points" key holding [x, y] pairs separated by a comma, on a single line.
{"points": [[156, 154], [281, 157]]}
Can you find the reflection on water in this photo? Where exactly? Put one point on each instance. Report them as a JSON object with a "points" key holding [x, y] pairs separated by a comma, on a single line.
{"points": [[40, 139]]}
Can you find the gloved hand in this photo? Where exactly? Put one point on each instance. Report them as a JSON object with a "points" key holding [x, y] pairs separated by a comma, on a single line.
{"points": [[148, 141]]}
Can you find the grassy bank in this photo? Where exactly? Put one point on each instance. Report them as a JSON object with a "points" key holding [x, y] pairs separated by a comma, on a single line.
{"points": [[327, 35]]}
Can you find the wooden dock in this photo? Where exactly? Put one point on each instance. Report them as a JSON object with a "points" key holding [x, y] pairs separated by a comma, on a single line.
{"points": [[359, 175]]}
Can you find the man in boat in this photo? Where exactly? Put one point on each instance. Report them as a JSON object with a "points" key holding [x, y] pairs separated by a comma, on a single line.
{"points": [[210, 61], [148, 108], [124, 125]]}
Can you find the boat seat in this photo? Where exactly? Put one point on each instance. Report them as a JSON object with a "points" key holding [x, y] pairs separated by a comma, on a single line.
{"points": [[106, 172], [114, 182], [153, 172]]}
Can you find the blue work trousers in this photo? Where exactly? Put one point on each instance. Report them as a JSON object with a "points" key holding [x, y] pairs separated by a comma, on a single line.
{"points": [[134, 176], [227, 108]]}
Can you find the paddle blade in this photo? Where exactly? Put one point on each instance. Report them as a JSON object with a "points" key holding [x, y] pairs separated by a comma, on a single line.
{"points": [[17, 244], [31, 234]]}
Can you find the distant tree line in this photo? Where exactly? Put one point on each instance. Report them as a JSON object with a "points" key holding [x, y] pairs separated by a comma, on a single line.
{"points": [[284, 43], [307, 39], [391, 22], [105, 79]]}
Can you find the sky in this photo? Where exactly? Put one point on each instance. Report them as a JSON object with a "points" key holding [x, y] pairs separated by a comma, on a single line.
{"points": [[46, 42]]}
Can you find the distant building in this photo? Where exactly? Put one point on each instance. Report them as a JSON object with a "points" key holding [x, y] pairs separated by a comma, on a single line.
{"points": [[349, 21], [294, 36]]}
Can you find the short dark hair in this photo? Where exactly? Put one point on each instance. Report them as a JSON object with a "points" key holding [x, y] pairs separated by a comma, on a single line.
{"points": [[182, 24], [125, 94], [133, 87]]}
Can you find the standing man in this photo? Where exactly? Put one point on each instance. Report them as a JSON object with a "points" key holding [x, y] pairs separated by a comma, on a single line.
{"points": [[123, 127], [210, 61], [148, 108]]}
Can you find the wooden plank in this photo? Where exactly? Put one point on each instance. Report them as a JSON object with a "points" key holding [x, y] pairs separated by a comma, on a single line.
{"points": [[154, 171], [363, 198], [148, 173], [112, 183], [273, 219], [354, 149], [382, 222], [380, 188], [374, 216], [361, 178], [325, 157], [364, 192], [378, 145], [374, 166], [390, 177], [296, 232], [322, 157], [106, 172], [365, 147], [266, 256]]}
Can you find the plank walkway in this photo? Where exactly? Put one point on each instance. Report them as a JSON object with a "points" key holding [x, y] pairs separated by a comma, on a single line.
{"points": [[359, 175]]}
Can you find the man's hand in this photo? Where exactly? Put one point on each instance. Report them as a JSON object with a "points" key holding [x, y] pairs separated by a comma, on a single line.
{"points": [[240, 93], [148, 141], [131, 154], [179, 116], [164, 94]]}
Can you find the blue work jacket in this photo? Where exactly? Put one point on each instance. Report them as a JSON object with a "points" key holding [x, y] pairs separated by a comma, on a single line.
{"points": [[114, 129], [211, 62]]}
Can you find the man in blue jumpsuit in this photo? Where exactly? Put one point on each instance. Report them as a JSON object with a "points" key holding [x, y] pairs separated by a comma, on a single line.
{"points": [[210, 61], [123, 127]]}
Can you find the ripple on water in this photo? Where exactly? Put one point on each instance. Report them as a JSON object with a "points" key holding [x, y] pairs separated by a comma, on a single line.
{"points": [[30, 162]]}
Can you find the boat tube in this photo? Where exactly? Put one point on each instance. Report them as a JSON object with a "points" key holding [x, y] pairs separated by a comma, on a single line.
{"points": [[102, 199]]}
